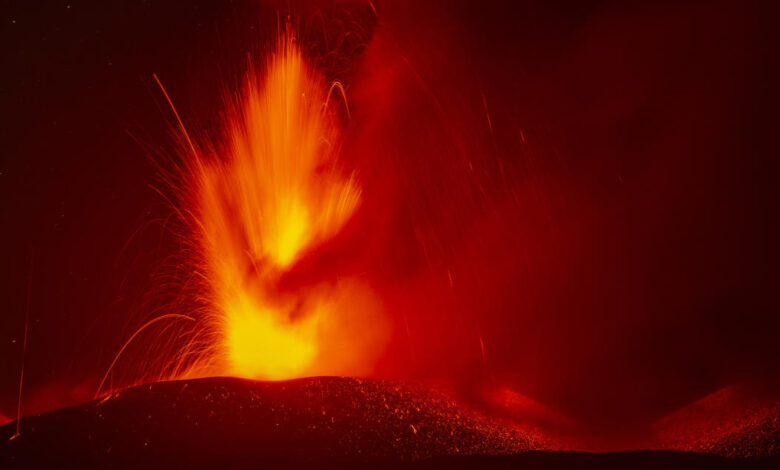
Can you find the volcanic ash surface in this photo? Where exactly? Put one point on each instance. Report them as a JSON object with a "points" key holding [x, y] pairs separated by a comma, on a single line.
{"points": [[225, 419]]}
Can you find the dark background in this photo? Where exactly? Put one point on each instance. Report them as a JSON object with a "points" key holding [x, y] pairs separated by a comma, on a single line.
{"points": [[576, 200]]}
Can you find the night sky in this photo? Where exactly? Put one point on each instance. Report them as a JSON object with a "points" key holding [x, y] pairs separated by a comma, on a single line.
{"points": [[575, 200]]}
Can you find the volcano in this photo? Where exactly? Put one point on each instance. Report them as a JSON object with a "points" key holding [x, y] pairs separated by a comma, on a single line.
{"points": [[327, 422], [243, 421], [373, 233]]}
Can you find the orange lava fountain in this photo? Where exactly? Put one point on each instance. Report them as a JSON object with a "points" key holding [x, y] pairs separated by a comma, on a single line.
{"points": [[274, 193]]}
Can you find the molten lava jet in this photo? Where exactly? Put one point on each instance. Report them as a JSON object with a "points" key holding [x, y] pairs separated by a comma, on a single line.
{"points": [[256, 204]]}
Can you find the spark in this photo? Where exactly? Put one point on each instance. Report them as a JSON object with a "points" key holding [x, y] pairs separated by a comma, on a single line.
{"points": [[130, 340], [24, 350]]}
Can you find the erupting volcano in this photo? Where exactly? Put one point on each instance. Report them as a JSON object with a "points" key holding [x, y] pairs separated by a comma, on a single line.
{"points": [[351, 233], [258, 203]]}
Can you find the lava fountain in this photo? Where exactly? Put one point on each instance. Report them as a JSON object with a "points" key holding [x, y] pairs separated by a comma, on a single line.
{"points": [[257, 203]]}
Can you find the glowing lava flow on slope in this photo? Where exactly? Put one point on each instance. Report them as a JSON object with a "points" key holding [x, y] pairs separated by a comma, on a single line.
{"points": [[274, 193]]}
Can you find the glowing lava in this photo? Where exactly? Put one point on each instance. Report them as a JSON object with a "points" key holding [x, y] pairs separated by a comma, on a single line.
{"points": [[274, 192]]}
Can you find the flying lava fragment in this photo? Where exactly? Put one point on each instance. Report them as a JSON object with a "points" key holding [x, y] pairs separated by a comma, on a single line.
{"points": [[269, 193]]}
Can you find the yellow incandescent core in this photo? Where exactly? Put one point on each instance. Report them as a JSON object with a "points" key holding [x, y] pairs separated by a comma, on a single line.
{"points": [[276, 193]]}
